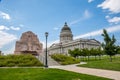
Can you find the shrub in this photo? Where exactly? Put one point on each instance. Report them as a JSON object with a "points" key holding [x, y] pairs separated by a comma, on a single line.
{"points": [[64, 60], [19, 60]]}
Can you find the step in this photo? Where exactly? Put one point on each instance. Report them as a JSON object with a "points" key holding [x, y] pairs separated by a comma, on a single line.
{"points": [[51, 62]]}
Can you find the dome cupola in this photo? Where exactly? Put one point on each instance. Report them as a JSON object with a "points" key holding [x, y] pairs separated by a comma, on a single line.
{"points": [[66, 27], [66, 34]]}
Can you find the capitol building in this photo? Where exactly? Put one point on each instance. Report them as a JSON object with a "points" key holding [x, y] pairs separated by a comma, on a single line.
{"points": [[66, 42]]}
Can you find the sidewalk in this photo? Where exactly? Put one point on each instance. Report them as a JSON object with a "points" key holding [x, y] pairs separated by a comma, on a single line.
{"points": [[115, 75]]}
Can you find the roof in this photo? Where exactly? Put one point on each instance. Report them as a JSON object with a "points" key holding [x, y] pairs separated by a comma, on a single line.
{"points": [[65, 27]]}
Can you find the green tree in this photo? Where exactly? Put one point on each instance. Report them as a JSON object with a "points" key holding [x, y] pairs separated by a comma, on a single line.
{"points": [[74, 53], [117, 49], [109, 45], [88, 53], [94, 52], [99, 52], [84, 53]]}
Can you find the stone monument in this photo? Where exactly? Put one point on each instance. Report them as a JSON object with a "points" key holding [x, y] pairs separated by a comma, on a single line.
{"points": [[28, 44]]}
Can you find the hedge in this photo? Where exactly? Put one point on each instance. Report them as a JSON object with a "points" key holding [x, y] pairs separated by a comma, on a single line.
{"points": [[19, 61]]}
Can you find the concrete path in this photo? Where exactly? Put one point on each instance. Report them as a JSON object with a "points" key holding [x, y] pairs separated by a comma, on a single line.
{"points": [[115, 75]]}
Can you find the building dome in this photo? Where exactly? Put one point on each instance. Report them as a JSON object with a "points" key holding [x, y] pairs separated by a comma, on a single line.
{"points": [[66, 28], [66, 34]]}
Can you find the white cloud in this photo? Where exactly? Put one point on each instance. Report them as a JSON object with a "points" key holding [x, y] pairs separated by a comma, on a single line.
{"points": [[10, 50], [49, 43], [75, 21], [15, 28], [114, 20], [112, 5], [99, 32], [2, 27], [107, 17], [21, 25], [86, 15], [89, 1], [6, 38], [55, 28], [5, 15]]}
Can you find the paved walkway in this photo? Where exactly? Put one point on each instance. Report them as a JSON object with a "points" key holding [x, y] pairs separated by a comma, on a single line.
{"points": [[115, 75]]}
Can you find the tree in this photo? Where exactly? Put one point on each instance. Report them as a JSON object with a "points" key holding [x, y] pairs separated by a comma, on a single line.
{"points": [[70, 52], [99, 52], [84, 53], [109, 45], [74, 53], [117, 49]]}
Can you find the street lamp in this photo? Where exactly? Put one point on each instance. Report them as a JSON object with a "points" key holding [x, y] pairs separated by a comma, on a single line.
{"points": [[46, 63], [61, 47]]}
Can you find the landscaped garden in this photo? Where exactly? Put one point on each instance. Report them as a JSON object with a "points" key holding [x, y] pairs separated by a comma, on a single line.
{"points": [[19, 61], [43, 74]]}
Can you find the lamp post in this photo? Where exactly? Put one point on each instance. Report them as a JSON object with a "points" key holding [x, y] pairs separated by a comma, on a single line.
{"points": [[61, 48], [46, 63]]}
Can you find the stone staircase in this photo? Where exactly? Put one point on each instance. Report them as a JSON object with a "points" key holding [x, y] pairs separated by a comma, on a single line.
{"points": [[51, 62]]}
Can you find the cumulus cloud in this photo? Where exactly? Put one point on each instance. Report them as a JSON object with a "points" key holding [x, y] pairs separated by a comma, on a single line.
{"points": [[89, 1], [99, 32], [6, 38], [112, 5], [114, 20], [2, 27], [4, 15], [15, 28]]}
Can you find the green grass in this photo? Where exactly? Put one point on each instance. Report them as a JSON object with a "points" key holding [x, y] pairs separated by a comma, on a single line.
{"points": [[104, 64], [43, 74]]}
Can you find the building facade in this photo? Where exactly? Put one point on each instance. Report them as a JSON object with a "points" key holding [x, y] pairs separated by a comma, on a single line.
{"points": [[28, 43], [67, 42]]}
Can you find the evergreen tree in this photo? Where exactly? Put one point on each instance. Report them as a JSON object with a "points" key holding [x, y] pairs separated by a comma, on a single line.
{"points": [[109, 45]]}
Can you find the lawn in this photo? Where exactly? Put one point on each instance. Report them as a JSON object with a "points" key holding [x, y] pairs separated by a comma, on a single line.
{"points": [[104, 64], [43, 74]]}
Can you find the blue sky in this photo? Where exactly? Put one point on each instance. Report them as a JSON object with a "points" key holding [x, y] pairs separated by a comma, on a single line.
{"points": [[86, 18]]}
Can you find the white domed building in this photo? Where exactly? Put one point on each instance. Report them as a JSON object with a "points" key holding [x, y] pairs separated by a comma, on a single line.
{"points": [[67, 42]]}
